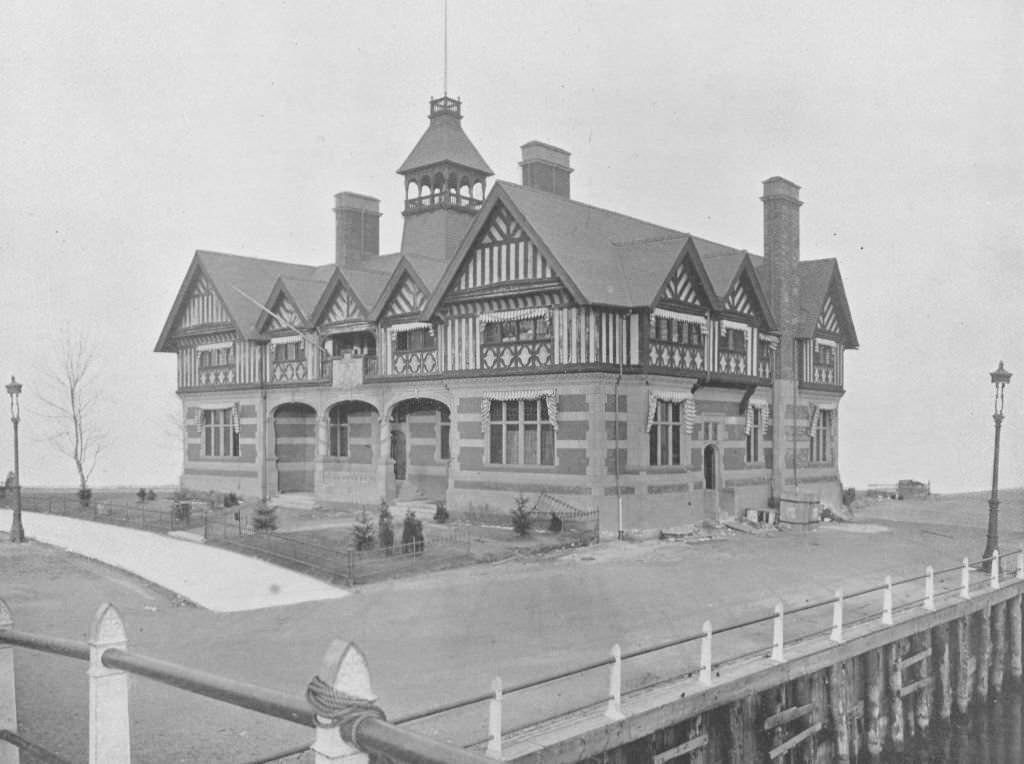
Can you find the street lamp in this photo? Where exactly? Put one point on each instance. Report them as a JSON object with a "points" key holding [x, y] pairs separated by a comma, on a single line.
{"points": [[17, 531], [1000, 378]]}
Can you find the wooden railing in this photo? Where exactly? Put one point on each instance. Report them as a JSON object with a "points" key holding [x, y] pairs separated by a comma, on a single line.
{"points": [[343, 670], [674, 356]]}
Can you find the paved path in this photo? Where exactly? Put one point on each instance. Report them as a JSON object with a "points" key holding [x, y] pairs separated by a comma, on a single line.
{"points": [[212, 578]]}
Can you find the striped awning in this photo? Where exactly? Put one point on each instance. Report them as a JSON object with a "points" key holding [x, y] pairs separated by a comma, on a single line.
{"points": [[751, 405], [676, 316], [550, 397], [672, 396], [234, 418], [499, 304], [512, 315], [411, 326]]}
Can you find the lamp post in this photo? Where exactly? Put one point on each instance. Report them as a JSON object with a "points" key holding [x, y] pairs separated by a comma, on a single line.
{"points": [[1000, 378], [17, 531]]}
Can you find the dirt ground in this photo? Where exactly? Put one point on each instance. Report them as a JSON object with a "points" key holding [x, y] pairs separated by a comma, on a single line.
{"points": [[434, 638]]}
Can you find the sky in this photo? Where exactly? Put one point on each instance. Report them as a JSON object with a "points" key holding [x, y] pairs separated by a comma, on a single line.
{"points": [[135, 133]]}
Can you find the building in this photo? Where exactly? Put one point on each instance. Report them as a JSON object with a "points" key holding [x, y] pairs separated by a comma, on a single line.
{"points": [[520, 341]]}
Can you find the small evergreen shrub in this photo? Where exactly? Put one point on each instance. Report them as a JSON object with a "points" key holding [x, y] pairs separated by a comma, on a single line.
{"points": [[385, 528], [265, 517], [441, 513], [84, 496], [363, 532], [150, 495], [555, 523], [522, 517], [412, 534], [230, 500], [141, 493]]}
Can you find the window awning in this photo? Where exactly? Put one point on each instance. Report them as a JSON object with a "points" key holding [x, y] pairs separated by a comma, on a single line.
{"points": [[676, 316], [411, 326], [512, 315], [550, 397], [672, 396]]}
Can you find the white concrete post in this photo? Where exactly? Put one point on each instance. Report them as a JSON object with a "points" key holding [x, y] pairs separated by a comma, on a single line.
{"points": [[778, 649], [344, 668], [109, 725], [494, 721], [1020, 563], [929, 588], [965, 580], [614, 710], [8, 699], [993, 581], [705, 654], [837, 618], [887, 602]]}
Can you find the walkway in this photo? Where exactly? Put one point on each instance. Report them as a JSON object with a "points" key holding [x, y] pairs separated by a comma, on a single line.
{"points": [[212, 578]]}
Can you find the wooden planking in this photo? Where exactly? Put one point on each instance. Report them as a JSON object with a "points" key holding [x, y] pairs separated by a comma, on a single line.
{"points": [[794, 741], [787, 715], [913, 660], [681, 750]]}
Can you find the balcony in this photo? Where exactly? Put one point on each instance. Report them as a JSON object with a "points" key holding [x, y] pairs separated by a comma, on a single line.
{"points": [[671, 355], [349, 370], [733, 362], [410, 363]]}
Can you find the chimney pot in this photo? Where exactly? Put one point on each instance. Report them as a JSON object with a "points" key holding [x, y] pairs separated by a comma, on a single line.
{"points": [[357, 220], [546, 168]]}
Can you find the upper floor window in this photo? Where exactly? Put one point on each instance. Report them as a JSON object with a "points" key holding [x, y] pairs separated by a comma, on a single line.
{"points": [[521, 330], [415, 339], [289, 351], [215, 357], [219, 434], [821, 437], [521, 433], [666, 434], [677, 332], [824, 354], [734, 340]]}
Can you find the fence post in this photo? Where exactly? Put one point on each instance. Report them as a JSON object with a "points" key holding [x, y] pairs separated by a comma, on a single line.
{"points": [[344, 669], [494, 721], [887, 602], [614, 710], [929, 588], [965, 580], [837, 618], [778, 650], [109, 726], [705, 654], [9, 754], [993, 581], [1020, 563]]}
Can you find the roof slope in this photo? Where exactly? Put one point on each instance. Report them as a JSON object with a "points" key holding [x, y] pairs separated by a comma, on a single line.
{"points": [[444, 141]]}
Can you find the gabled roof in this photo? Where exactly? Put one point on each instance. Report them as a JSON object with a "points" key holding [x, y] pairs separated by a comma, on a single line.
{"points": [[364, 286], [424, 271], [243, 284], [444, 141], [302, 294], [819, 279], [725, 266]]}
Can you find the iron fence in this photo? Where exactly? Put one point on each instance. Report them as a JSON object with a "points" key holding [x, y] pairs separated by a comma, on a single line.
{"points": [[155, 515]]}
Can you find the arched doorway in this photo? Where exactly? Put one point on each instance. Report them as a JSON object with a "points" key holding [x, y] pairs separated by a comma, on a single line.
{"points": [[295, 448], [710, 476], [420, 447]]}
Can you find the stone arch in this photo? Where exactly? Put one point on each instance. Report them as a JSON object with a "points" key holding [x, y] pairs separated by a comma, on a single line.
{"points": [[350, 430], [419, 446], [294, 430]]}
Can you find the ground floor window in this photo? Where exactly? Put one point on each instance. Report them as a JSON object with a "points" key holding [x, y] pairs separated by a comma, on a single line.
{"points": [[754, 436], [821, 437], [666, 435], [337, 432], [444, 431], [521, 433], [219, 435]]}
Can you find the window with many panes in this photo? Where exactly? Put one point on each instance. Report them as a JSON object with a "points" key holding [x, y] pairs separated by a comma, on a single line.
{"points": [[821, 437], [289, 351], [218, 433], [444, 433], [824, 355], [415, 339], [521, 433], [217, 357], [337, 432], [667, 434], [522, 330], [754, 437], [678, 332]]}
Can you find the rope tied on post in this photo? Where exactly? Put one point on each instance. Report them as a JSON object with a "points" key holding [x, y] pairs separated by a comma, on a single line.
{"points": [[340, 709]]}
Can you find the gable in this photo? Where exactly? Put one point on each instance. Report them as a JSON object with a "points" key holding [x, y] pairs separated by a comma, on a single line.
{"points": [[683, 287], [502, 253], [739, 300], [203, 307], [285, 316], [828, 321], [406, 298], [343, 306]]}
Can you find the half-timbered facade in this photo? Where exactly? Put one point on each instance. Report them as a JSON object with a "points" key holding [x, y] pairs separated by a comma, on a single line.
{"points": [[521, 341]]}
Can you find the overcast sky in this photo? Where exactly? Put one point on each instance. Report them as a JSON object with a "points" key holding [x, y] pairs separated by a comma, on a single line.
{"points": [[134, 133]]}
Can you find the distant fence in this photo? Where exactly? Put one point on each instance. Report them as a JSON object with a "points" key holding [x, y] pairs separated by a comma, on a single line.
{"points": [[548, 513], [151, 515], [340, 562]]}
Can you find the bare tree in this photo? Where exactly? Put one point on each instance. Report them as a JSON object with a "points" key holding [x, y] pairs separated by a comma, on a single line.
{"points": [[71, 393]]}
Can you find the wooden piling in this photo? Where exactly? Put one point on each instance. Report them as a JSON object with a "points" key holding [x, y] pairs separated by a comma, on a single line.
{"points": [[1016, 664], [743, 730], [855, 705], [873, 666], [998, 647], [940, 669], [824, 749], [838, 686], [983, 630], [926, 675], [963, 664]]}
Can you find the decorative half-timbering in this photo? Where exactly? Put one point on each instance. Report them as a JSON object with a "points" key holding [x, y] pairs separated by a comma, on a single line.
{"points": [[503, 254], [283, 316], [203, 307], [407, 299], [342, 307]]}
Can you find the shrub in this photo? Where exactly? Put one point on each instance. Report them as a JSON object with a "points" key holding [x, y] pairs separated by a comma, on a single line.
{"points": [[522, 517], [265, 517], [555, 523], [385, 528], [412, 533], [230, 500], [441, 513], [150, 495], [363, 532], [84, 496], [141, 493], [849, 496]]}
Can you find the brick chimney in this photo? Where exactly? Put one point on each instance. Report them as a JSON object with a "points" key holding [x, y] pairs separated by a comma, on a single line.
{"points": [[782, 250], [546, 168], [357, 221]]}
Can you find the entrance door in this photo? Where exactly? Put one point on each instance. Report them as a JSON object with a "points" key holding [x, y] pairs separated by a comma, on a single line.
{"points": [[295, 448], [398, 453], [710, 478]]}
